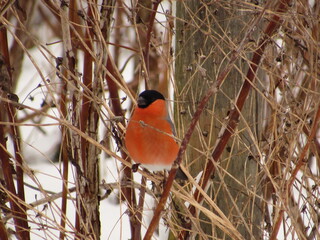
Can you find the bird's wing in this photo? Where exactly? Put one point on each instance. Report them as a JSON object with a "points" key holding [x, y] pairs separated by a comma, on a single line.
{"points": [[173, 129]]}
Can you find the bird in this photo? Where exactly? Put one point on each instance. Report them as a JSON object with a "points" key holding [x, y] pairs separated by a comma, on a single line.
{"points": [[150, 133]]}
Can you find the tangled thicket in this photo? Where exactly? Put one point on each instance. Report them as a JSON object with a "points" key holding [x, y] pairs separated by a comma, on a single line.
{"points": [[244, 80]]}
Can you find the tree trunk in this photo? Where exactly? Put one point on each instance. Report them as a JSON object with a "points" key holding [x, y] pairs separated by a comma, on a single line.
{"points": [[206, 35]]}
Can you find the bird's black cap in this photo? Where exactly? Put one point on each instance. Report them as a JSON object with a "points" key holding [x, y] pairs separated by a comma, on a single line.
{"points": [[147, 97]]}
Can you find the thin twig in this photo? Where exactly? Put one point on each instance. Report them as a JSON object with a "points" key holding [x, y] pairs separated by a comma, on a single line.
{"points": [[148, 40], [9, 111], [138, 217], [300, 163], [128, 191]]}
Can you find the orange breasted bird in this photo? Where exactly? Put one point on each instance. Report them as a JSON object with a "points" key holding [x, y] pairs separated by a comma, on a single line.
{"points": [[150, 133]]}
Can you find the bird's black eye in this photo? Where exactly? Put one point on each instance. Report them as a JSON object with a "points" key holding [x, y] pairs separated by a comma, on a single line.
{"points": [[147, 97]]}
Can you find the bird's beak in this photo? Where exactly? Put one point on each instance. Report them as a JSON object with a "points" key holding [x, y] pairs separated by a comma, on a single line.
{"points": [[141, 102]]}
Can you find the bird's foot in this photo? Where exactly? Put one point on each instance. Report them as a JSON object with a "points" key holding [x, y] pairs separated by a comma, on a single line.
{"points": [[135, 167]]}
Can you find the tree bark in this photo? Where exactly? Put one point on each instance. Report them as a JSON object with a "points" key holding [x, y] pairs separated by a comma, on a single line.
{"points": [[206, 35]]}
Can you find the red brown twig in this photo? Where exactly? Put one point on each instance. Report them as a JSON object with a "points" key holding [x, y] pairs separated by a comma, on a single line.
{"points": [[128, 192], [17, 207], [300, 163], [244, 92]]}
